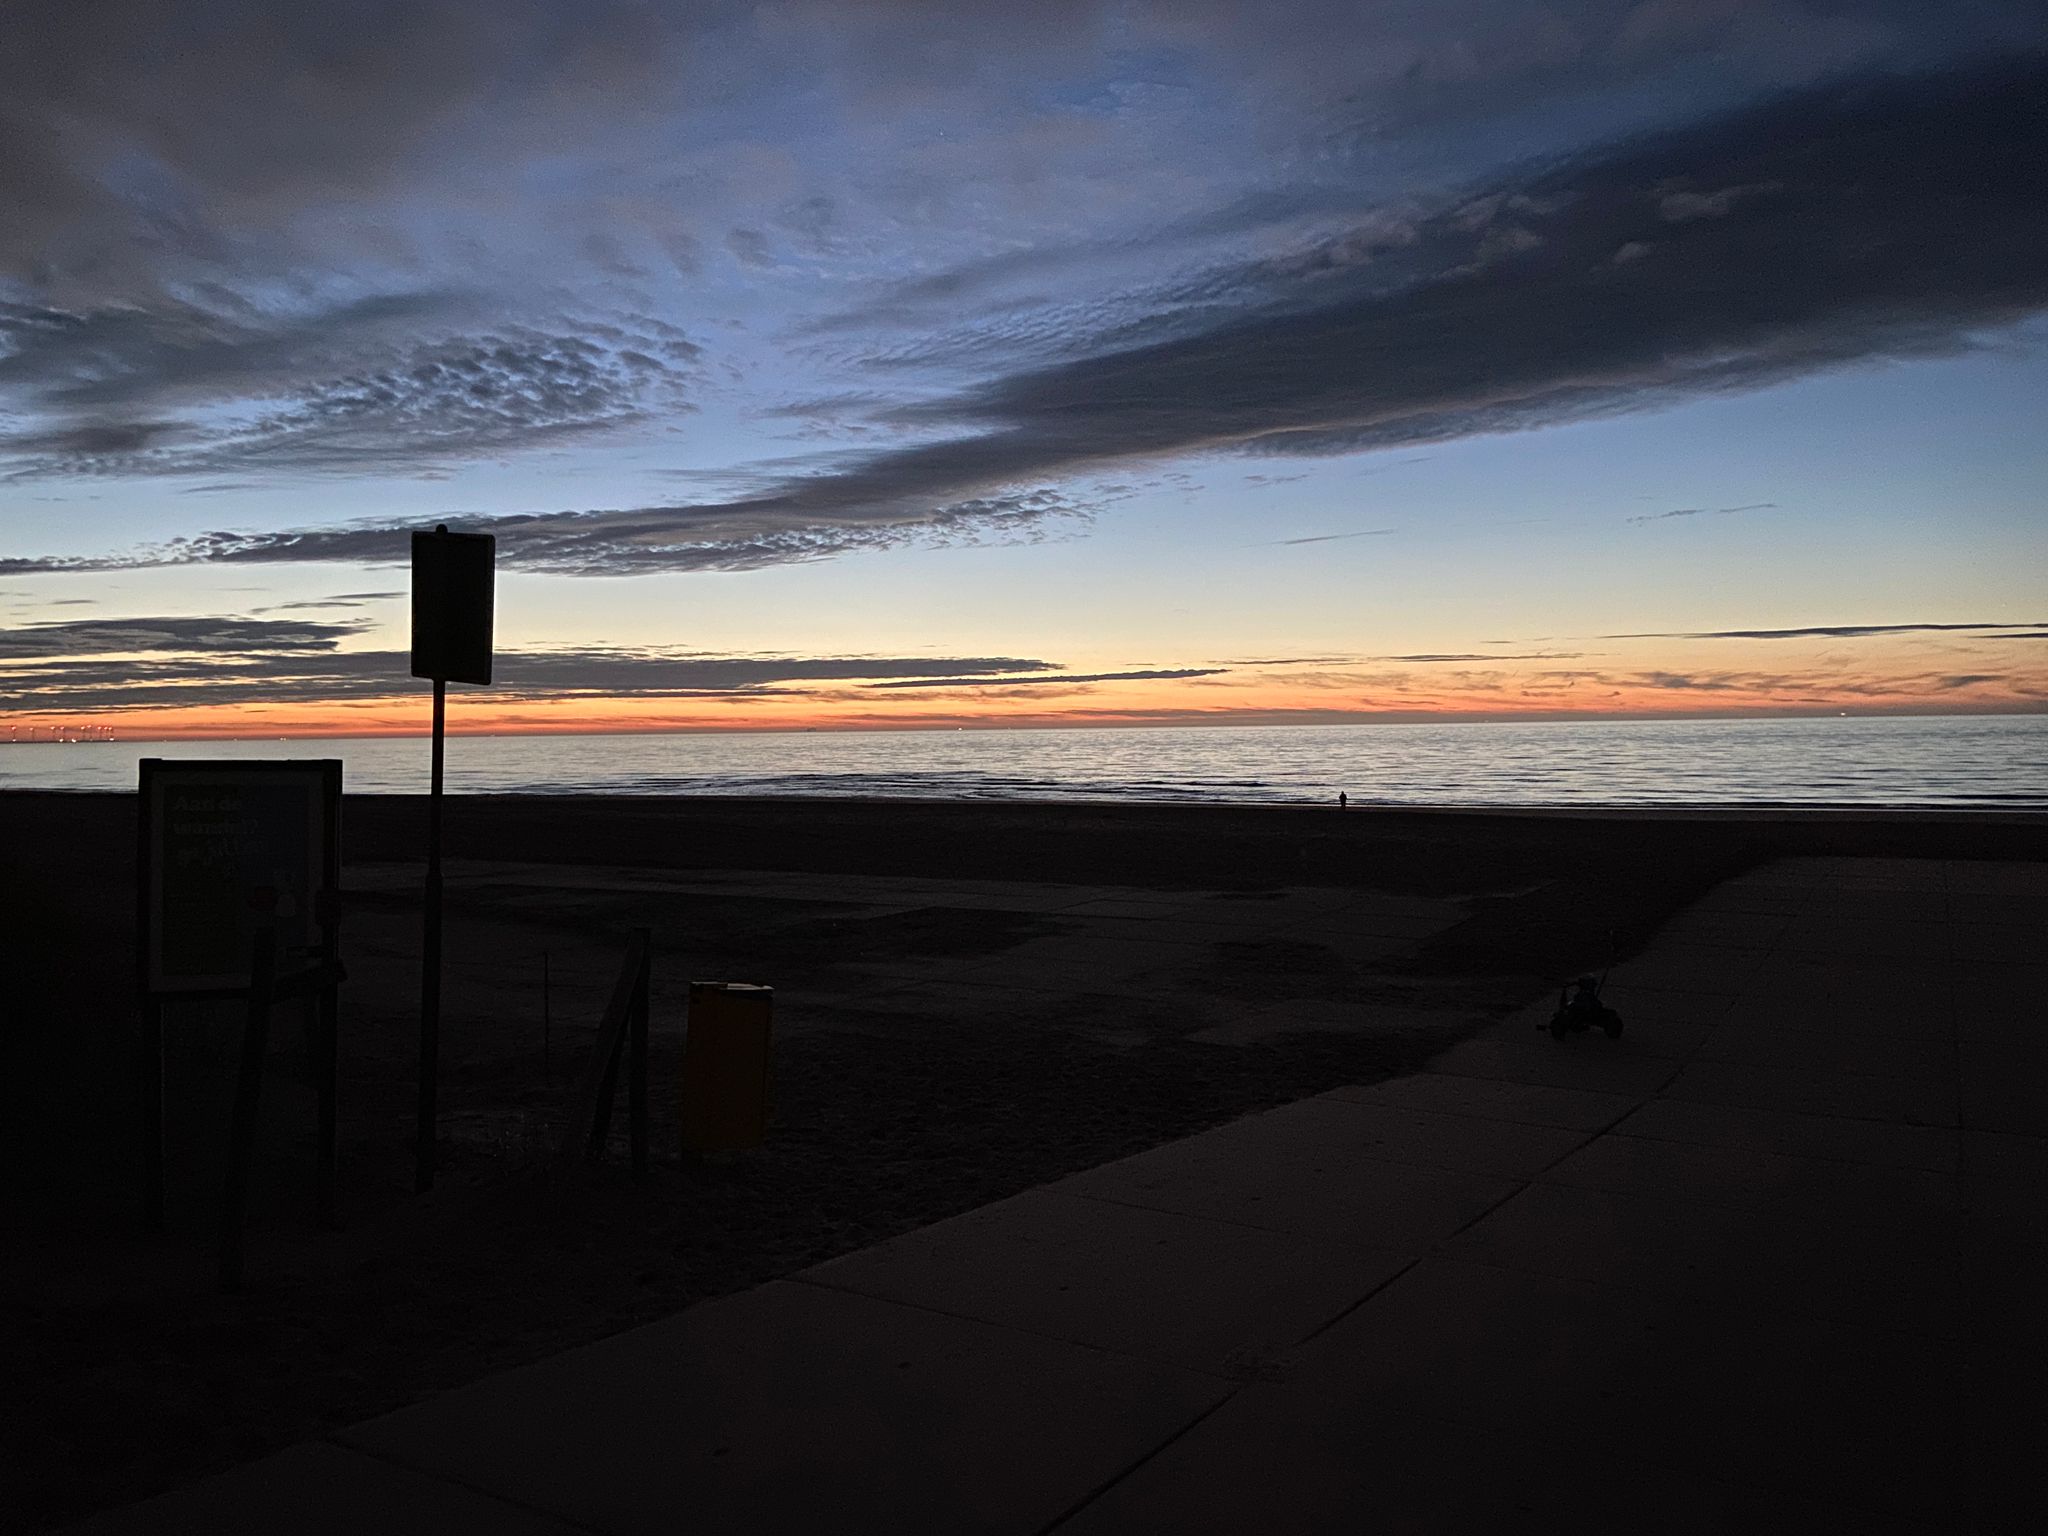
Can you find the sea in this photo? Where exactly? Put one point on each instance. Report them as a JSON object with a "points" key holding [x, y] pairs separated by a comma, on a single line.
{"points": [[1989, 762]]}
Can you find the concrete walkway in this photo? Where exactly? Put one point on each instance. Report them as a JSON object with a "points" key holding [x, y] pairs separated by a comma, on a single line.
{"points": [[1773, 1260]]}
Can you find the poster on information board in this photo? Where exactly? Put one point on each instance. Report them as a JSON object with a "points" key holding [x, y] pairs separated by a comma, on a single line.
{"points": [[222, 846]]}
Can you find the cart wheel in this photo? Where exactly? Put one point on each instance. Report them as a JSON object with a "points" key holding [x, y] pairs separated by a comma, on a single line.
{"points": [[1560, 1025], [1611, 1022]]}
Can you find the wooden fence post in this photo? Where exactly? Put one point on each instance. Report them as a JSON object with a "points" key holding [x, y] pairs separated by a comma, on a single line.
{"points": [[592, 1118], [636, 1062], [242, 1128]]}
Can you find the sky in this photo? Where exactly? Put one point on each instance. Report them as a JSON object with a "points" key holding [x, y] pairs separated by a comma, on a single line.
{"points": [[870, 363]]}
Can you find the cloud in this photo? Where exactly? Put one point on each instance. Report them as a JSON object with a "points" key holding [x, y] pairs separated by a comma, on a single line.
{"points": [[140, 138], [1680, 207], [806, 520], [120, 637], [750, 248], [183, 389], [1331, 538], [1658, 517], [1822, 632], [1908, 215], [339, 600], [1890, 235], [1968, 680], [1486, 656], [1866, 219], [275, 662], [1291, 661], [1064, 678], [1686, 680]]}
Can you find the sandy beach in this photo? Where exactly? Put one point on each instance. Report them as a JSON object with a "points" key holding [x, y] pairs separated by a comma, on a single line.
{"points": [[972, 999]]}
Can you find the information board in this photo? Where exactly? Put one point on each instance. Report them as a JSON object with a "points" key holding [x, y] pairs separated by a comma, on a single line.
{"points": [[451, 605], [225, 845]]}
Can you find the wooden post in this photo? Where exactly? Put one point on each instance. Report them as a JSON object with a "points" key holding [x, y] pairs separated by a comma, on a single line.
{"points": [[327, 1039], [242, 1130], [593, 1113], [430, 966], [636, 1062], [152, 1063], [327, 1074]]}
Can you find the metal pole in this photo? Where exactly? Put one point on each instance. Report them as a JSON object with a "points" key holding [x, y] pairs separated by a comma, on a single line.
{"points": [[430, 965]]}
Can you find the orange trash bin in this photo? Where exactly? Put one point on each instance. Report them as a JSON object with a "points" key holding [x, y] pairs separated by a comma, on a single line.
{"points": [[726, 1055]]}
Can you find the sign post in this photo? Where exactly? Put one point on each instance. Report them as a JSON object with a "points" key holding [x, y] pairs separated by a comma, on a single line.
{"points": [[451, 642]]}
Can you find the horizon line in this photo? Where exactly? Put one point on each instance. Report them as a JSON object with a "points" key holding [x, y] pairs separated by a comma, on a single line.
{"points": [[1251, 722]]}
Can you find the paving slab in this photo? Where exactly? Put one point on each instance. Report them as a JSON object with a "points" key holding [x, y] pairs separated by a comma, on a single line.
{"points": [[1926, 1055], [1900, 1276], [1588, 1061], [2005, 1254], [2003, 1005], [800, 1408], [2027, 909], [2005, 1180], [1572, 1109], [1719, 1391], [1295, 1177], [1342, 1132], [1702, 929], [1882, 1143], [1818, 1091], [2005, 1086], [1847, 993], [1211, 1296], [1974, 877], [1757, 1180], [1467, 1400], [1993, 945], [320, 1489], [1280, 1461], [1675, 966]]}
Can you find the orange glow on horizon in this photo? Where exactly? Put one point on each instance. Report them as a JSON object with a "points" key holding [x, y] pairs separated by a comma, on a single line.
{"points": [[1251, 699]]}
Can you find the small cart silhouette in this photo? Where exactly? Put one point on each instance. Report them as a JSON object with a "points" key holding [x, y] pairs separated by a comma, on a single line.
{"points": [[1579, 1008]]}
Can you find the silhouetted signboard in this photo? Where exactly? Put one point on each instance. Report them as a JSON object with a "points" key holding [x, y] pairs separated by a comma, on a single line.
{"points": [[224, 845], [451, 605]]}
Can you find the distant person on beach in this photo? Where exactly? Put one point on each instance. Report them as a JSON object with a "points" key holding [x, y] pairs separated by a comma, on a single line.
{"points": [[1342, 799]]}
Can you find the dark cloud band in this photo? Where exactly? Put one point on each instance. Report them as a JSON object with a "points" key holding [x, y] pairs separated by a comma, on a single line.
{"points": [[1066, 678], [1866, 220], [1829, 632], [176, 663]]}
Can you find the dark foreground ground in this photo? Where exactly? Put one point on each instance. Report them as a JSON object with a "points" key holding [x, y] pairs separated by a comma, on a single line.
{"points": [[965, 1010]]}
